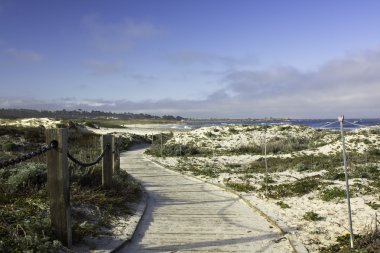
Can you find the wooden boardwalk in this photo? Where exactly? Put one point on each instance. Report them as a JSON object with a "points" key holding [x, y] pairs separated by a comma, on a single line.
{"points": [[186, 215]]}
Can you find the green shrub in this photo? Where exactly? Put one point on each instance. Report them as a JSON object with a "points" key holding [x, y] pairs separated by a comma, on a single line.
{"points": [[367, 243], [91, 124], [233, 165], [374, 152], [282, 204], [302, 167], [312, 216], [370, 171], [298, 188], [333, 193], [209, 134], [10, 147], [247, 149], [334, 174], [25, 177], [313, 163], [27, 227], [287, 145], [240, 187], [232, 130], [373, 205]]}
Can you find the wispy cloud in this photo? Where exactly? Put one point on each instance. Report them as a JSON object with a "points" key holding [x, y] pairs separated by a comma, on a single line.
{"points": [[196, 57], [117, 36], [349, 85], [24, 55], [353, 74], [97, 67]]}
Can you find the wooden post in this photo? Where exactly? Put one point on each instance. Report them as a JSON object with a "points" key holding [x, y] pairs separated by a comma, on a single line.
{"points": [[116, 155], [161, 144], [107, 160], [58, 186]]}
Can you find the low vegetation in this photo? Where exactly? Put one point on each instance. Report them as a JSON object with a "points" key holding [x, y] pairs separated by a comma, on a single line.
{"points": [[332, 194], [241, 187], [298, 188], [24, 209], [282, 204], [366, 243], [303, 163], [312, 216]]}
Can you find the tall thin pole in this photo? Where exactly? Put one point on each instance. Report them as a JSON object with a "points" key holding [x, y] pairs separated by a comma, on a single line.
{"points": [[161, 144], [341, 119], [266, 162]]}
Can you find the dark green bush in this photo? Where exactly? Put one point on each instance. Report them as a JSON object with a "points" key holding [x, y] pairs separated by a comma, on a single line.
{"points": [[247, 149], [10, 147], [297, 188], [334, 174], [232, 130], [209, 134], [241, 187], [282, 204], [171, 150], [367, 243], [312, 216], [24, 177], [333, 193], [374, 152]]}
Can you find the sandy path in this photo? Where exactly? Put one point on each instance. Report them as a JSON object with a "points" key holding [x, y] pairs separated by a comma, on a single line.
{"points": [[185, 215]]}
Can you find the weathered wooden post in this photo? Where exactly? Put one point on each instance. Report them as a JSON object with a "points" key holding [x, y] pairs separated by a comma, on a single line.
{"points": [[107, 143], [116, 153], [161, 144], [58, 185]]}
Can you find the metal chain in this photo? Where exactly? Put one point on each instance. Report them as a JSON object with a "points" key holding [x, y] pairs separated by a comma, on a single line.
{"points": [[40, 151], [91, 163]]}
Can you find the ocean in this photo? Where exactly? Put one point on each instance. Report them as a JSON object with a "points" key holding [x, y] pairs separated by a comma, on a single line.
{"points": [[349, 124]]}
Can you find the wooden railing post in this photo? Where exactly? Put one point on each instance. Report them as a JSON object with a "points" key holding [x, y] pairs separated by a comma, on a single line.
{"points": [[107, 140], [116, 155], [58, 186]]}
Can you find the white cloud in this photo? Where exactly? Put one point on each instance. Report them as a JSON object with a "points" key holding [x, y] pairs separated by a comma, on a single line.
{"points": [[349, 85], [196, 57], [24, 55], [117, 36], [97, 67]]}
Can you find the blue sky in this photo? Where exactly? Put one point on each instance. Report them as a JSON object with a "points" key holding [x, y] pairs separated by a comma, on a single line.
{"points": [[209, 58]]}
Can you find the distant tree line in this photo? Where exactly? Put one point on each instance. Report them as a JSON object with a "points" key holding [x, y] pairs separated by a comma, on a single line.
{"points": [[78, 114]]}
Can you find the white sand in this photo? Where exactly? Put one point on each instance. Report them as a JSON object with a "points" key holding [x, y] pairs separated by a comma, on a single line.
{"points": [[30, 122], [314, 234]]}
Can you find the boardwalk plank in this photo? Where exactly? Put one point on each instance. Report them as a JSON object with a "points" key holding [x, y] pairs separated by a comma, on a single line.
{"points": [[185, 215]]}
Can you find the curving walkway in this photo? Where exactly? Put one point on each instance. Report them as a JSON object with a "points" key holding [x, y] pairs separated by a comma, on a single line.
{"points": [[186, 215]]}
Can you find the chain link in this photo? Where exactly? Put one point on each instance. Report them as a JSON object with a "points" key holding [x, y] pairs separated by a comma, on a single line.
{"points": [[83, 164], [44, 149], [38, 152]]}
